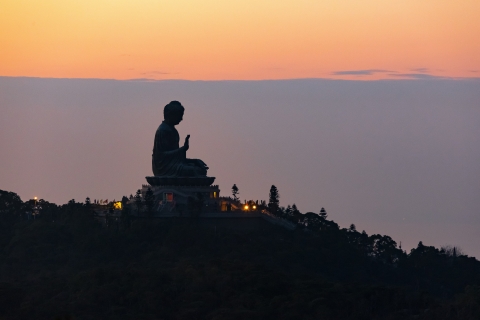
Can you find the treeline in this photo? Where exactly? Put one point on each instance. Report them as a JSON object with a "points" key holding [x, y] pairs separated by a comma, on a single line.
{"points": [[64, 263], [442, 272]]}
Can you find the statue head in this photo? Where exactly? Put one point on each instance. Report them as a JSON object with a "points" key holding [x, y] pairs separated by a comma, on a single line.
{"points": [[173, 113]]}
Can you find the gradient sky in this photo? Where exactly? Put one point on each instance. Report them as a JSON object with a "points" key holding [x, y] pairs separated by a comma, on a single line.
{"points": [[397, 156], [213, 39], [393, 157]]}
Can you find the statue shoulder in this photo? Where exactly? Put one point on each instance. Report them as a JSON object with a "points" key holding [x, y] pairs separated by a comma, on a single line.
{"points": [[166, 132], [164, 128]]}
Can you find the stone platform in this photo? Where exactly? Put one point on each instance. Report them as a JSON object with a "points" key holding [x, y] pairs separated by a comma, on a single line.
{"points": [[180, 181], [174, 197]]}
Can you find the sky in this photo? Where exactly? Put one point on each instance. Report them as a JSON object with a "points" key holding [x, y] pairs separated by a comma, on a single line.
{"points": [[239, 40], [393, 157], [367, 108]]}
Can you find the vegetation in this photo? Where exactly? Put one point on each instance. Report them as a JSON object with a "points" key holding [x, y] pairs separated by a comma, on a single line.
{"points": [[323, 213], [149, 202], [67, 264], [273, 200], [235, 192], [138, 201]]}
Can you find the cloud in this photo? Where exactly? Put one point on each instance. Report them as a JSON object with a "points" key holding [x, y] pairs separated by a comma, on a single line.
{"points": [[421, 70], [416, 76], [141, 79], [156, 72], [367, 72]]}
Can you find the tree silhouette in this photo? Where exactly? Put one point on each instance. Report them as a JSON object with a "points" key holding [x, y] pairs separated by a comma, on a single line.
{"points": [[138, 200], [322, 272], [111, 207], [88, 206], [384, 249], [295, 213], [235, 192], [315, 222], [125, 212], [149, 201], [323, 213], [288, 212], [452, 251], [124, 201], [10, 205], [292, 213], [273, 200]]}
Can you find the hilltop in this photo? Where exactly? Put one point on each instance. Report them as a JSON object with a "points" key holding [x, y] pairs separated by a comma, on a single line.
{"points": [[67, 264]]}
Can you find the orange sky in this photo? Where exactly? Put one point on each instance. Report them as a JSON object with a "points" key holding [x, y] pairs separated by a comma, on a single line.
{"points": [[216, 40]]}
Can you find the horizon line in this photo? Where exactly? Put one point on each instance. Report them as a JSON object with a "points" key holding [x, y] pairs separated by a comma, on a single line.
{"points": [[430, 78]]}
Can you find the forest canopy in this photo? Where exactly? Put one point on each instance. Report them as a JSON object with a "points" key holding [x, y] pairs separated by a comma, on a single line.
{"points": [[67, 263]]}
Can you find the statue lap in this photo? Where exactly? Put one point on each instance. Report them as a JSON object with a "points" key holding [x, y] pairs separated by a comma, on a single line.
{"points": [[169, 160]]}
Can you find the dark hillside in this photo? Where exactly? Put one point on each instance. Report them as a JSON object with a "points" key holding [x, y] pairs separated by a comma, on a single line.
{"points": [[187, 269]]}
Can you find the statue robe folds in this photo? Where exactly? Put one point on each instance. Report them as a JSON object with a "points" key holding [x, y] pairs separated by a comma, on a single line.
{"points": [[168, 159]]}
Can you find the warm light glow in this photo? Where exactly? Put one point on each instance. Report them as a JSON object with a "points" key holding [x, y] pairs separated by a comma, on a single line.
{"points": [[35, 198], [246, 207], [254, 207], [168, 197], [117, 205], [216, 40]]}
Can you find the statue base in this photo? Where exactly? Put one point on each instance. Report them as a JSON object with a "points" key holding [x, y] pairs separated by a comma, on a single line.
{"points": [[173, 198], [180, 181]]}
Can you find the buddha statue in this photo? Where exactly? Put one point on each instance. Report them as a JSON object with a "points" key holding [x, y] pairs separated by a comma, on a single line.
{"points": [[169, 160]]}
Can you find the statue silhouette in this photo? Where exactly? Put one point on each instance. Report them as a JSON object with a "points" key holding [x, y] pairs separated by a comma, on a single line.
{"points": [[169, 160]]}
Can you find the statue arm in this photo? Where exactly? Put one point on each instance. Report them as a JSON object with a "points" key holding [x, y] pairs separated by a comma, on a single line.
{"points": [[175, 152], [166, 146]]}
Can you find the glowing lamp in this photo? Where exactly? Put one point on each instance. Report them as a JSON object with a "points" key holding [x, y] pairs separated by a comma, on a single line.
{"points": [[254, 207], [35, 198], [246, 207]]}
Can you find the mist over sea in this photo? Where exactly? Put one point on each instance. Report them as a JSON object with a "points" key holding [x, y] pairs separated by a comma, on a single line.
{"points": [[393, 157]]}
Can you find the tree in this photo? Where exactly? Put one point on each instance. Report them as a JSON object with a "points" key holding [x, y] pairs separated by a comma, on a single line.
{"points": [[288, 211], [452, 251], [10, 205], [315, 222], [292, 213], [273, 200], [384, 248], [111, 208], [138, 200], [235, 192], [352, 228], [149, 201], [124, 201], [88, 207], [323, 213], [88, 204], [295, 212], [125, 212]]}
